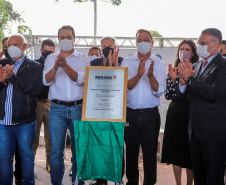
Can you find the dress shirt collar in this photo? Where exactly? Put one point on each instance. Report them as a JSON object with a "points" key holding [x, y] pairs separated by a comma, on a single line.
{"points": [[210, 59], [136, 56], [20, 61], [75, 53]]}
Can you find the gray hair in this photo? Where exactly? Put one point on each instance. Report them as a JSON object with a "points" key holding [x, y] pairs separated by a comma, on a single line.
{"points": [[108, 37]]}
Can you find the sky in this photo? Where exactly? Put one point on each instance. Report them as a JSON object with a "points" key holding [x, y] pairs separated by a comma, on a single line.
{"points": [[171, 18]]}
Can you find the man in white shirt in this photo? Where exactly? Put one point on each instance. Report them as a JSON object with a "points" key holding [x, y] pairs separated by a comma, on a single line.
{"points": [[64, 73], [146, 83]]}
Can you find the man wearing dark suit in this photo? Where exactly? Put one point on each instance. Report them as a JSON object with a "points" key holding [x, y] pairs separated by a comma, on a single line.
{"points": [[206, 84]]}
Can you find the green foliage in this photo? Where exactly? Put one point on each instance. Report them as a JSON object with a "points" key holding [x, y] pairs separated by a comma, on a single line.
{"points": [[114, 2], [155, 33], [8, 15], [24, 30]]}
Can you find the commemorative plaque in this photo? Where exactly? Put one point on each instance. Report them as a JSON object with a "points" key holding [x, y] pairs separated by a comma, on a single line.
{"points": [[105, 94]]}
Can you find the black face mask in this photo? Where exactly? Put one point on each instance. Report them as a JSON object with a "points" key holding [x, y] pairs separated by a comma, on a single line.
{"points": [[45, 55], [5, 51], [107, 50]]}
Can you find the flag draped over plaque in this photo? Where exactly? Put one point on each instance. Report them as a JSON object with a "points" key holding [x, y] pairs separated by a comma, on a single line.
{"points": [[99, 150]]}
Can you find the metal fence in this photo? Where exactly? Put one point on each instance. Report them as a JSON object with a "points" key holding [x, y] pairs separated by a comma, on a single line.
{"points": [[90, 41]]}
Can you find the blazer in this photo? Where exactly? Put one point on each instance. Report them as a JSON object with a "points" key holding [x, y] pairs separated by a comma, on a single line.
{"points": [[208, 100], [27, 84]]}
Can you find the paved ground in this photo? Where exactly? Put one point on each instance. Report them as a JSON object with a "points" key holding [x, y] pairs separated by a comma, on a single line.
{"points": [[164, 172]]}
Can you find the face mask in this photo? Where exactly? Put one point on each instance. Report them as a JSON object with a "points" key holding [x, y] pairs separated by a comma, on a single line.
{"points": [[66, 45], [184, 55], [202, 51], [14, 52], [5, 51], [107, 50], [45, 55], [144, 47], [92, 57]]}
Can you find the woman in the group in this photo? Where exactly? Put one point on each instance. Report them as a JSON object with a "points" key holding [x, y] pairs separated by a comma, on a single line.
{"points": [[176, 140]]}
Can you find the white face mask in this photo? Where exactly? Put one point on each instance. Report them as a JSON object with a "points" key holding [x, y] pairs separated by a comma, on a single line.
{"points": [[92, 57], [144, 47], [66, 45], [202, 51], [14, 52]]}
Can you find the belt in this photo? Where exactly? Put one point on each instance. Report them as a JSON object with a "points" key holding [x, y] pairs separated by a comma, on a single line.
{"points": [[43, 100], [67, 103], [143, 110]]}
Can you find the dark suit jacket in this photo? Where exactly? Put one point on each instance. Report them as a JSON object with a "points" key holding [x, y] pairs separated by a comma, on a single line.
{"points": [[208, 100], [27, 84]]}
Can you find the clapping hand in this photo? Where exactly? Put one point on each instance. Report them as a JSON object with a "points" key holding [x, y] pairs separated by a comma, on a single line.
{"points": [[61, 60], [185, 70], [172, 72], [151, 68], [9, 70], [3, 74], [113, 58], [141, 68]]}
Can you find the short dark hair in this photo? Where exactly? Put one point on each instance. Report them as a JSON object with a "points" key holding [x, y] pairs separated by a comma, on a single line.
{"points": [[143, 30], [48, 42], [193, 46], [99, 50], [3, 40], [67, 27], [224, 42], [213, 32]]}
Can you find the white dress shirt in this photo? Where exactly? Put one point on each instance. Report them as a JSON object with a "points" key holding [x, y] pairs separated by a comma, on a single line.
{"points": [[62, 87], [142, 96]]}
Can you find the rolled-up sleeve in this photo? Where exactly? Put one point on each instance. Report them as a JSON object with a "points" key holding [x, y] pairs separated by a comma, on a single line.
{"points": [[81, 70]]}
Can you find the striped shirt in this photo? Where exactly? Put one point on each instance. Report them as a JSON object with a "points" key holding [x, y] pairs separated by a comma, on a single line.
{"points": [[8, 103]]}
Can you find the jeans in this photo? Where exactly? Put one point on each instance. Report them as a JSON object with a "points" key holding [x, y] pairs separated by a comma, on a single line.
{"points": [[62, 117], [24, 134]]}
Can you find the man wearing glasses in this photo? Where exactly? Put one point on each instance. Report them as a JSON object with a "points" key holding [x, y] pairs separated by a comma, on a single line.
{"points": [[43, 104], [205, 83]]}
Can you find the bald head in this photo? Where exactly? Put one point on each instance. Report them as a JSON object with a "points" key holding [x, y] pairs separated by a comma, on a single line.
{"points": [[20, 38]]}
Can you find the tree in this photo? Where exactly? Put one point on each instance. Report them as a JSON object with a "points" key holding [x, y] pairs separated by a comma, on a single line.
{"points": [[8, 16], [114, 2], [155, 33], [24, 30]]}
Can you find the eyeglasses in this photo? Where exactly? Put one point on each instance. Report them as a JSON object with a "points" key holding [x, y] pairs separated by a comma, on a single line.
{"points": [[204, 43]]}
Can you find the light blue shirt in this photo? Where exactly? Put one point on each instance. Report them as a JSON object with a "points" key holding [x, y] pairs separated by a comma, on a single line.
{"points": [[8, 103]]}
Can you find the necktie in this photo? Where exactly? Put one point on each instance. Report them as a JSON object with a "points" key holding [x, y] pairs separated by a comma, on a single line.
{"points": [[204, 63]]}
